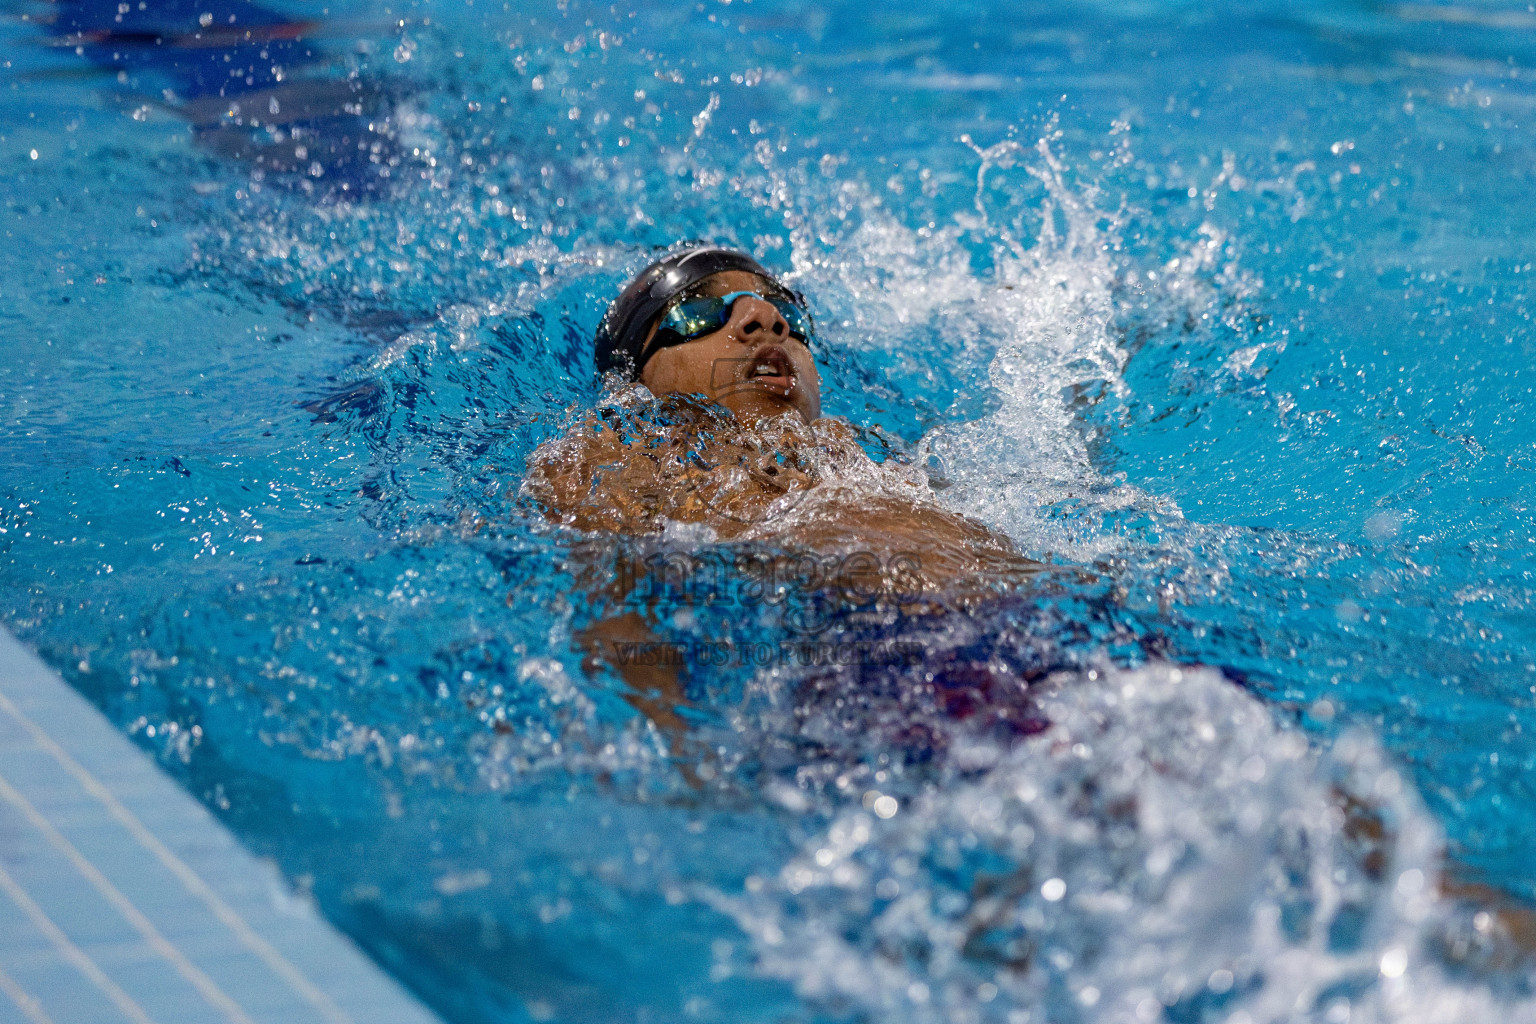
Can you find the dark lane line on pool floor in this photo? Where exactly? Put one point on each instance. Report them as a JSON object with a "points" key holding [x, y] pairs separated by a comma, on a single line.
{"points": [[254, 86]]}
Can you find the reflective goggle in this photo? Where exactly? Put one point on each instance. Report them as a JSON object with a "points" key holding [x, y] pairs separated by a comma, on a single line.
{"points": [[694, 318]]}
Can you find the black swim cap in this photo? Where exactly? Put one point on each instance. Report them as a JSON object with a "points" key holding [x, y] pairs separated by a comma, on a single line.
{"points": [[622, 333]]}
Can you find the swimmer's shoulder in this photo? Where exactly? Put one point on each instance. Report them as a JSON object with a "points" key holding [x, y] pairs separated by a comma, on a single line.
{"points": [[612, 468], [565, 474], [835, 428]]}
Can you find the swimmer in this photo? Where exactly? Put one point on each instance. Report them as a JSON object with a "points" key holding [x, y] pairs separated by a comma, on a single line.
{"points": [[717, 424], [720, 425]]}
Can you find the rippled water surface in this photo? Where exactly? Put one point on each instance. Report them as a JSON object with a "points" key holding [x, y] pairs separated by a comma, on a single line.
{"points": [[1222, 306]]}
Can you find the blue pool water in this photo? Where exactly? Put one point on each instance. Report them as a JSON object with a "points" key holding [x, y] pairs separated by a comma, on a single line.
{"points": [[1226, 304]]}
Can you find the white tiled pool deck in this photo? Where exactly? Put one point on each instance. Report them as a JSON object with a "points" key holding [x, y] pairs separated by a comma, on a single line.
{"points": [[123, 900]]}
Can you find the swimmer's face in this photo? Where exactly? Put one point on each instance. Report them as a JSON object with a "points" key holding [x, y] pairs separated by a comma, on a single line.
{"points": [[751, 365]]}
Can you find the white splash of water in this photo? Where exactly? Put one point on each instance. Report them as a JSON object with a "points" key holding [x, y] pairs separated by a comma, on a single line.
{"points": [[1045, 315], [1053, 307], [1165, 851]]}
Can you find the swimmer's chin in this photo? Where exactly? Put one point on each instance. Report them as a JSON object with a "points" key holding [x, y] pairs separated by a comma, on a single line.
{"points": [[755, 402], [747, 403]]}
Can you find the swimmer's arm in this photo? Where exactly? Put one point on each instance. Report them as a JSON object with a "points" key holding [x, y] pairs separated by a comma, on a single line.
{"points": [[573, 481], [1506, 923], [965, 545], [626, 645]]}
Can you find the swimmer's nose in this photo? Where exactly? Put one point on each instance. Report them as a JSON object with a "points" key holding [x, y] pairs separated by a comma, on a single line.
{"points": [[753, 320]]}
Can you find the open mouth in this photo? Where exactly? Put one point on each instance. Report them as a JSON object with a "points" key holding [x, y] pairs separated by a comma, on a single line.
{"points": [[771, 368]]}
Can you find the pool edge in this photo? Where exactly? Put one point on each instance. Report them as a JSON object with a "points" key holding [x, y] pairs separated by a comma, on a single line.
{"points": [[123, 898]]}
